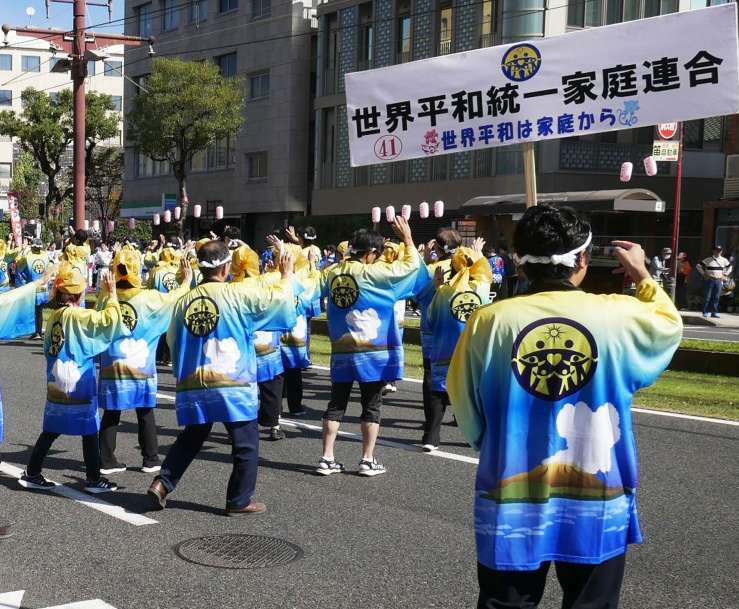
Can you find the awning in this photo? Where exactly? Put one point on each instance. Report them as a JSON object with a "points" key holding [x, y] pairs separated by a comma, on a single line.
{"points": [[632, 199]]}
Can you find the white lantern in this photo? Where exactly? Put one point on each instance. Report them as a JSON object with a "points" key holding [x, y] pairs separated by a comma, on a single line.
{"points": [[167, 216], [132, 223], [626, 170], [177, 212], [111, 226], [219, 212], [376, 215], [96, 225], [197, 210], [390, 214], [87, 225], [157, 219], [423, 210], [438, 209], [650, 166], [405, 211]]}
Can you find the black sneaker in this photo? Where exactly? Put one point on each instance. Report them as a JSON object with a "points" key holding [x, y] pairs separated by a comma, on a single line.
{"points": [[326, 467], [113, 469], [299, 413], [276, 434], [37, 482], [149, 468], [101, 485]]}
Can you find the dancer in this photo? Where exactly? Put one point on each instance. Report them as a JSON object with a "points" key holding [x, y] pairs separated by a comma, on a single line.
{"points": [[128, 373], [215, 367]]}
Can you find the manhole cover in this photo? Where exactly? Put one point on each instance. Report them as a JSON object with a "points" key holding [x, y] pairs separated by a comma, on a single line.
{"points": [[238, 551]]}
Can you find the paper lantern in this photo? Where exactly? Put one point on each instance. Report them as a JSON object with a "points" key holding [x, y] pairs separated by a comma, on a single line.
{"points": [[96, 225], [390, 213], [219, 212], [167, 216], [423, 210], [111, 226], [132, 223], [197, 210], [650, 166], [438, 209], [177, 212], [626, 170], [405, 211], [87, 225], [157, 219], [376, 215]]}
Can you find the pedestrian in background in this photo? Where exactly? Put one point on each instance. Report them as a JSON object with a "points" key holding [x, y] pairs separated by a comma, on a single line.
{"points": [[684, 269], [715, 270]]}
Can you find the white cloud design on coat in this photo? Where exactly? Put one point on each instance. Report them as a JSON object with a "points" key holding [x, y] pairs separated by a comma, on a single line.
{"points": [[136, 352], [66, 376], [590, 436], [399, 310], [223, 354], [363, 325], [263, 339], [300, 331]]}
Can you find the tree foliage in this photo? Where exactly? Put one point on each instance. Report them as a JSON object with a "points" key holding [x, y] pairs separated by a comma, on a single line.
{"points": [[185, 108], [44, 129], [105, 185]]}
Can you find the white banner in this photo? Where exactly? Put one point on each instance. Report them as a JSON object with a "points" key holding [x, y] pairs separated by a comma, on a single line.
{"points": [[676, 67]]}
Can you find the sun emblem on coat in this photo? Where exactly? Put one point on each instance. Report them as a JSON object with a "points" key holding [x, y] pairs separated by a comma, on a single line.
{"points": [[344, 291], [554, 357], [130, 316], [57, 339], [169, 281], [464, 304], [201, 316]]}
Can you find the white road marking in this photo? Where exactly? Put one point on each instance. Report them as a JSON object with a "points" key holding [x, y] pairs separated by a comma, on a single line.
{"points": [[11, 600], [690, 417], [88, 500]]}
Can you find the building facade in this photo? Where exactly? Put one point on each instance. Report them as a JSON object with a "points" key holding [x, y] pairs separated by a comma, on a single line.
{"points": [[357, 35], [29, 62], [261, 176]]}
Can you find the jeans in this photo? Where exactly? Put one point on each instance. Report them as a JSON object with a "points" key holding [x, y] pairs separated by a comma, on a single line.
{"points": [[270, 401], [584, 586], [90, 452], [711, 294], [294, 389], [147, 436], [244, 436]]}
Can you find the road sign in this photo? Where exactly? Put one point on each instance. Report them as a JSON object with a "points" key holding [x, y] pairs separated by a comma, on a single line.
{"points": [[666, 144]]}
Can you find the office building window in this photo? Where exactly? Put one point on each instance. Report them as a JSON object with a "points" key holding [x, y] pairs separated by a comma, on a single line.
{"points": [[113, 68], [446, 27], [6, 171], [140, 83], [227, 64], [366, 35], [6, 61], [704, 3], [593, 13], [256, 166], [92, 68], [403, 33], [261, 9], [30, 63], [487, 30], [143, 19], [259, 85], [216, 156], [170, 15], [198, 11], [227, 5], [6, 97], [118, 103]]}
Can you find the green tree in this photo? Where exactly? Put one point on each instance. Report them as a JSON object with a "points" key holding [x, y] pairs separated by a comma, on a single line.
{"points": [[105, 185], [44, 129], [185, 108], [26, 183]]}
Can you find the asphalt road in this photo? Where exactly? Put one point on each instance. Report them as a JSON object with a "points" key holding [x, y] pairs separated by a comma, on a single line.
{"points": [[708, 333], [403, 540]]}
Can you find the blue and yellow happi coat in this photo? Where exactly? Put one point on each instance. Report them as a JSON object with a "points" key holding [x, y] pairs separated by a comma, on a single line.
{"points": [[128, 372], [542, 385], [366, 340], [212, 341]]}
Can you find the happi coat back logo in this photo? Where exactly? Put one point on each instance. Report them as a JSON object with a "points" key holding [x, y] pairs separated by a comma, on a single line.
{"points": [[464, 304], [344, 291], [39, 266], [201, 316], [130, 315], [169, 281], [554, 357], [521, 62], [57, 339]]}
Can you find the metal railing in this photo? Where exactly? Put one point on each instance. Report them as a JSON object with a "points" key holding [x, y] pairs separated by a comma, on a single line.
{"points": [[445, 46], [486, 40]]}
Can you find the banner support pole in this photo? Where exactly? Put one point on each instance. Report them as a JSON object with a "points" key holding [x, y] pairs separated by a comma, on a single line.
{"points": [[529, 171]]}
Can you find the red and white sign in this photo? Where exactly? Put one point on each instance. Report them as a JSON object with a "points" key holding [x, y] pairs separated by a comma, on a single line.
{"points": [[667, 131], [15, 217], [666, 145]]}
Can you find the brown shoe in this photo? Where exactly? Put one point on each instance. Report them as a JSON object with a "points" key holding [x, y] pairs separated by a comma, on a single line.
{"points": [[255, 507], [157, 494]]}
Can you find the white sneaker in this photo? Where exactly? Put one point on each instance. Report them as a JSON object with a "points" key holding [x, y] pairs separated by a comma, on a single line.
{"points": [[371, 468], [429, 448], [148, 469], [389, 388], [326, 467]]}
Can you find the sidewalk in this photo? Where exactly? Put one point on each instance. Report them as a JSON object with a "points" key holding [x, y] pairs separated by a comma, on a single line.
{"points": [[727, 320]]}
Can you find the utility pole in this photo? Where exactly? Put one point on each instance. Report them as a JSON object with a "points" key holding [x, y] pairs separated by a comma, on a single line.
{"points": [[676, 215], [80, 46]]}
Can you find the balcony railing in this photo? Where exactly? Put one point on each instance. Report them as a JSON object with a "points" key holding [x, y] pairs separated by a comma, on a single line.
{"points": [[486, 40], [445, 46]]}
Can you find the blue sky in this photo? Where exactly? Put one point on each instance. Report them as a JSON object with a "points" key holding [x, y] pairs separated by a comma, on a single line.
{"points": [[14, 13]]}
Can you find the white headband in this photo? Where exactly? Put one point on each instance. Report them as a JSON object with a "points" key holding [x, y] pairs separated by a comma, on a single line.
{"points": [[568, 259], [307, 238], [354, 250], [214, 265]]}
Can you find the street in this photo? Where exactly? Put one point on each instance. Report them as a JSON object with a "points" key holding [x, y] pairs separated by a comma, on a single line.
{"points": [[709, 333], [400, 540]]}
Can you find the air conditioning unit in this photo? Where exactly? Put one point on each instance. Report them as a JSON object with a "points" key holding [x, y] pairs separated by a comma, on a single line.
{"points": [[731, 179]]}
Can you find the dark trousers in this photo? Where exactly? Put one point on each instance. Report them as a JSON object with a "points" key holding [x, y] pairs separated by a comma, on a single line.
{"points": [[294, 389], [90, 452], [163, 354], [434, 415], [370, 398], [244, 436], [426, 387], [584, 586], [147, 436], [270, 401], [39, 318], [711, 295]]}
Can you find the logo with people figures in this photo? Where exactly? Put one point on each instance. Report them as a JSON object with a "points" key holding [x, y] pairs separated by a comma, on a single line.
{"points": [[201, 316], [344, 291], [130, 316], [554, 357], [521, 62], [57, 339], [465, 304], [169, 281]]}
